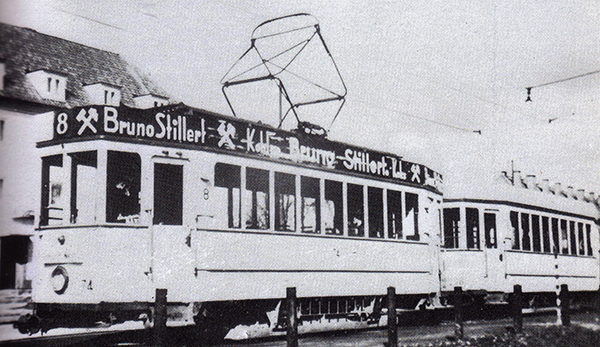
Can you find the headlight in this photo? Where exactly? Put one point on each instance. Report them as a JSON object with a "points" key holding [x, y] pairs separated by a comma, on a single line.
{"points": [[60, 280]]}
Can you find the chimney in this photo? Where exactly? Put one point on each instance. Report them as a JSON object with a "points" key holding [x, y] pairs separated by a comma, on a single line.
{"points": [[570, 192], [557, 189], [580, 194], [518, 182], [545, 185], [530, 182], [590, 197]]}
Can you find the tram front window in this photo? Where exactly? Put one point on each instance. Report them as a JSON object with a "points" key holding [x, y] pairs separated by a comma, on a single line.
{"points": [[123, 187], [53, 185], [83, 176], [256, 199], [451, 227], [472, 219], [489, 225]]}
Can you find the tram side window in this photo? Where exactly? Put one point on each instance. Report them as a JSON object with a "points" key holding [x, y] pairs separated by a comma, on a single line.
{"points": [[546, 234], [83, 175], [555, 236], [472, 216], [227, 188], [311, 205], [451, 227], [123, 179], [535, 233], [573, 237], [564, 237], [53, 200], [489, 224], [588, 233], [394, 208], [514, 223], [333, 214], [526, 241], [285, 202], [256, 199], [356, 210], [581, 239], [375, 201], [411, 217]]}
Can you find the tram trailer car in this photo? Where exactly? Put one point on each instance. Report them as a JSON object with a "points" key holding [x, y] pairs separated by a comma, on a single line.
{"points": [[515, 231], [225, 214]]}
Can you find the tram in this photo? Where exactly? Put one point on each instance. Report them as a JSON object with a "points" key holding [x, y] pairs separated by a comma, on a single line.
{"points": [[520, 231], [225, 214]]}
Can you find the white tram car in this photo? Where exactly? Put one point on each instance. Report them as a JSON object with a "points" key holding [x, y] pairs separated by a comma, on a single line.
{"points": [[516, 231], [225, 214]]}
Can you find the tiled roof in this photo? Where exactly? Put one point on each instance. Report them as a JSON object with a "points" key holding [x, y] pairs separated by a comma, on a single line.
{"points": [[25, 50]]}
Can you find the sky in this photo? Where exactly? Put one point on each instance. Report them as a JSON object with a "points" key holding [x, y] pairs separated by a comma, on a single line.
{"points": [[438, 82]]}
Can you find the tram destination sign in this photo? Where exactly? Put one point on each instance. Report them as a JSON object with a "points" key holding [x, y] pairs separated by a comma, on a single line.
{"points": [[183, 125]]}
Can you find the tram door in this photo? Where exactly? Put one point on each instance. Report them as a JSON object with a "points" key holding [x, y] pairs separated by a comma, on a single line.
{"points": [[168, 234], [494, 259]]}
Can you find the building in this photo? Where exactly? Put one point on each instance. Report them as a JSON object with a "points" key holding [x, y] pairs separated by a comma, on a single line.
{"points": [[39, 74]]}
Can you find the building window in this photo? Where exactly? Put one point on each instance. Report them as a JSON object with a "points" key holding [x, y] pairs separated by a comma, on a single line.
{"points": [[285, 202], [472, 219], [227, 188], [256, 199], [2, 75], [356, 210], [103, 94], [333, 215], [451, 227], [394, 208], [375, 202], [123, 184], [48, 84]]}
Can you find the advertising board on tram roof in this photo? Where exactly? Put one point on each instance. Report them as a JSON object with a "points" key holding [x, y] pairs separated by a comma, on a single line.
{"points": [[180, 125]]}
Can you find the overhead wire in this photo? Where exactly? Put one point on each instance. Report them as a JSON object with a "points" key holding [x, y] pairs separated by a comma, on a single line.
{"points": [[411, 115], [528, 89]]}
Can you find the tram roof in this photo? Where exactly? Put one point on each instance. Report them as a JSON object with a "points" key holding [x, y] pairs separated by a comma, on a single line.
{"points": [[497, 188]]}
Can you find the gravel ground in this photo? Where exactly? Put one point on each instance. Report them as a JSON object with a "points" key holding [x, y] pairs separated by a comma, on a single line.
{"points": [[535, 336]]}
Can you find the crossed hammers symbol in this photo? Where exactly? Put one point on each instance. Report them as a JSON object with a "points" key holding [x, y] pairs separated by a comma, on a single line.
{"points": [[87, 121]]}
